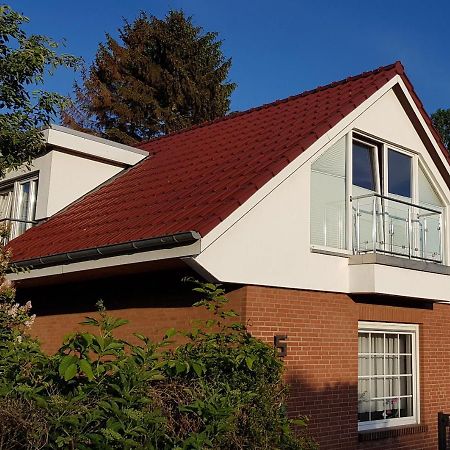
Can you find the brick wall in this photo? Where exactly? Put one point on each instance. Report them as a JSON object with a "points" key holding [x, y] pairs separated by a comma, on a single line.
{"points": [[151, 303], [321, 365]]}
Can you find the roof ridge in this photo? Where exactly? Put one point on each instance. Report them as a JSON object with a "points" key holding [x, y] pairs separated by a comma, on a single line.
{"points": [[397, 65]]}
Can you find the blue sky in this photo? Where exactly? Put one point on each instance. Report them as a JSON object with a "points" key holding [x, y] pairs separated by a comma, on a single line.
{"points": [[279, 48]]}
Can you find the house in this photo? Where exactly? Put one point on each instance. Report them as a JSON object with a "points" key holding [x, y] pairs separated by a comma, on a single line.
{"points": [[325, 215]]}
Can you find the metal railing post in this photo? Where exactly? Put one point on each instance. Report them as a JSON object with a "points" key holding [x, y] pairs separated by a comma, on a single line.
{"points": [[409, 233], [374, 224], [357, 227], [424, 245]]}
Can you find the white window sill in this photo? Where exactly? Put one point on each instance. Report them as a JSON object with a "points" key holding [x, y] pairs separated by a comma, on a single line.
{"points": [[331, 251]]}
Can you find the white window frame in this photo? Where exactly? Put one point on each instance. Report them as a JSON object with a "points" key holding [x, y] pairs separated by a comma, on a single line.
{"points": [[376, 165], [413, 330]]}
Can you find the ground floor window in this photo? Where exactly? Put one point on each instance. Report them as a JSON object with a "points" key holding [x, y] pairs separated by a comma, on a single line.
{"points": [[387, 375]]}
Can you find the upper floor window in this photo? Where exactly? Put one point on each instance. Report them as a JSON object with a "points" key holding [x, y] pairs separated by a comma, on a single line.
{"points": [[369, 196], [18, 205], [364, 167]]}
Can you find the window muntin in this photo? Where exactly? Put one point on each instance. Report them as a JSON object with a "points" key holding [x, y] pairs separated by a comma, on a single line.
{"points": [[399, 174], [387, 375]]}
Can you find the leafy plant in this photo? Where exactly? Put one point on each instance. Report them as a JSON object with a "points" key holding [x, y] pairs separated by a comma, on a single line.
{"points": [[24, 107], [211, 387]]}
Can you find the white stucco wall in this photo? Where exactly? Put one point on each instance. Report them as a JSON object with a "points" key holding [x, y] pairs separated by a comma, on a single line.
{"points": [[72, 176], [268, 243]]}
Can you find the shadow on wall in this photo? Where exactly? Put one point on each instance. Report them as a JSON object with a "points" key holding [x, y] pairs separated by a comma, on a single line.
{"points": [[332, 410], [117, 293]]}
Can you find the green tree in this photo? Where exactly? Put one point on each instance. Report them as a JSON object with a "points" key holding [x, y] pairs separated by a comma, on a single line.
{"points": [[24, 107], [164, 75], [441, 121]]}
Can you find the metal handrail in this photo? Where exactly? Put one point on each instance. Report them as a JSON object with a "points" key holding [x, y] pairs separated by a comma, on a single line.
{"points": [[415, 242], [10, 219], [11, 227], [385, 197]]}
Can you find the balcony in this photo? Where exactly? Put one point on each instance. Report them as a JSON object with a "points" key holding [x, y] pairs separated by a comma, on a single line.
{"points": [[393, 226]]}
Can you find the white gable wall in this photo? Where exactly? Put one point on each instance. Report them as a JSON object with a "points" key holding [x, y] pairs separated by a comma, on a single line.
{"points": [[270, 243]]}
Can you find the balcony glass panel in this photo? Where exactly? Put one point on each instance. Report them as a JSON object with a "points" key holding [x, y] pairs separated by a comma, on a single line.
{"points": [[393, 226]]}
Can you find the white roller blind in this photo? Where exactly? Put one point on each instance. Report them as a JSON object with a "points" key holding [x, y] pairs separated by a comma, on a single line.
{"points": [[427, 193], [328, 216]]}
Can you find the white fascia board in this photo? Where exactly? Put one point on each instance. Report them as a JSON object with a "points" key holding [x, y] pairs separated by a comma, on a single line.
{"points": [[92, 146], [330, 137], [113, 261], [422, 122]]}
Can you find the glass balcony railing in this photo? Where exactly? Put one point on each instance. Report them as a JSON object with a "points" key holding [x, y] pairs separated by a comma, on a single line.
{"points": [[14, 227], [396, 227]]}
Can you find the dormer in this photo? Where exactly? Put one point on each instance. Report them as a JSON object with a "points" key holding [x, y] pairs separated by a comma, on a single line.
{"points": [[73, 164]]}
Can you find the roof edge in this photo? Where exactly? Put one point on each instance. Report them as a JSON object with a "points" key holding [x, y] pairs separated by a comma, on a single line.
{"points": [[162, 242], [397, 66]]}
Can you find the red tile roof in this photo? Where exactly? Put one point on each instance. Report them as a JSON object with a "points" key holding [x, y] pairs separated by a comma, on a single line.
{"points": [[195, 178]]}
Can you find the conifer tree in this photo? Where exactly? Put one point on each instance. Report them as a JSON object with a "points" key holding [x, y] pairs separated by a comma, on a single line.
{"points": [[164, 75], [441, 121]]}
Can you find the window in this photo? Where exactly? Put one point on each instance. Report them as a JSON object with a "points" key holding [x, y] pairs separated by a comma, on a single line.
{"points": [[387, 375], [363, 166], [372, 196], [328, 205], [18, 205], [399, 174]]}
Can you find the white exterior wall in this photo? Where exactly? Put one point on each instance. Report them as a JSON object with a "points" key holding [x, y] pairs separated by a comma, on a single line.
{"points": [[75, 164], [70, 177], [267, 242]]}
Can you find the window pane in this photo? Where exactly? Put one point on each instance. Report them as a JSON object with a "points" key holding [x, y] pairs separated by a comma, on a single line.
{"points": [[24, 200], [377, 365], [328, 209], [5, 204], [391, 365], [363, 167], [363, 343], [405, 365], [405, 343], [399, 174], [377, 343], [406, 385], [406, 407], [377, 410], [392, 411], [391, 387], [391, 343], [363, 366]]}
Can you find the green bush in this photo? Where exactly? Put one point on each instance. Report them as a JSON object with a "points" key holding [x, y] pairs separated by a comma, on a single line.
{"points": [[219, 388]]}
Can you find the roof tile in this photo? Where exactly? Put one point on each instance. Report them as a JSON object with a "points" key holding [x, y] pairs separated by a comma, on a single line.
{"points": [[195, 178]]}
